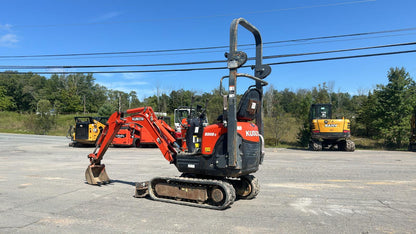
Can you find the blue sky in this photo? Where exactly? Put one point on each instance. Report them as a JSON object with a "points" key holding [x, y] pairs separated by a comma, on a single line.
{"points": [[67, 27]]}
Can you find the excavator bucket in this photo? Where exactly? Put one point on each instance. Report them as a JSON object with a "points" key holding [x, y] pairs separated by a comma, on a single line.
{"points": [[96, 174]]}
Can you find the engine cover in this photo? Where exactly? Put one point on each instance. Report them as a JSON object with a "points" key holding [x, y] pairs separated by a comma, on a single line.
{"points": [[248, 131]]}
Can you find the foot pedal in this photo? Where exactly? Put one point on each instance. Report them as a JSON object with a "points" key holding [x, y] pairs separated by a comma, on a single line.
{"points": [[96, 174]]}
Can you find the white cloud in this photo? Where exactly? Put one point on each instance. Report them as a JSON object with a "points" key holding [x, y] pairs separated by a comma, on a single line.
{"points": [[105, 74], [8, 40], [123, 85], [128, 82], [5, 27], [106, 16], [132, 76]]}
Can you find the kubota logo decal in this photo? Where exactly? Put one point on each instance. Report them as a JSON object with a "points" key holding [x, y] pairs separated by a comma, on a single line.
{"points": [[210, 134], [252, 133]]}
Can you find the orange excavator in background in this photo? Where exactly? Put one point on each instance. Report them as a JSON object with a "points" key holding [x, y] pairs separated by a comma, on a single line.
{"points": [[128, 135], [133, 134], [219, 168]]}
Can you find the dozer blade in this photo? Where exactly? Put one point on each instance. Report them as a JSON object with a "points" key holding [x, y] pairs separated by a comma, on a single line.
{"points": [[142, 189], [96, 174]]}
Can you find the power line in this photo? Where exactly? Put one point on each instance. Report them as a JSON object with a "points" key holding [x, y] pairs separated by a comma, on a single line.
{"points": [[341, 50], [207, 48], [342, 35], [202, 62], [219, 68], [344, 57], [176, 54]]}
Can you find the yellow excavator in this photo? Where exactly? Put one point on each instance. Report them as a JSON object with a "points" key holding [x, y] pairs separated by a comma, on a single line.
{"points": [[327, 132], [86, 130]]}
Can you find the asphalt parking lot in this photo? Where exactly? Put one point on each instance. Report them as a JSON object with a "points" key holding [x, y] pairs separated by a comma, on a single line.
{"points": [[43, 190]]}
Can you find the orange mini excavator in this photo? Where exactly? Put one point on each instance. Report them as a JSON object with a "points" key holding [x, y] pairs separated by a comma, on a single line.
{"points": [[219, 168]]}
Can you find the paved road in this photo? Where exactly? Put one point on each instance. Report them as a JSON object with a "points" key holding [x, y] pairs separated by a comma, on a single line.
{"points": [[43, 190]]}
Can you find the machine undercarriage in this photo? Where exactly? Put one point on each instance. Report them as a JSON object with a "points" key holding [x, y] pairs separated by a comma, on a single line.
{"points": [[200, 192]]}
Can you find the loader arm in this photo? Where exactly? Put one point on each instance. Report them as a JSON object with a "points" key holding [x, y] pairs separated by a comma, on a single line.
{"points": [[146, 118]]}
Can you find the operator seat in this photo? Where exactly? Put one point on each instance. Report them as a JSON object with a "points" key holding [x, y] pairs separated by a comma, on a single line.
{"points": [[249, 105]]}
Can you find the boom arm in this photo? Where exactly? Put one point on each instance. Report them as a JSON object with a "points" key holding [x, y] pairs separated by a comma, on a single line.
{"points": [[157, 129]]}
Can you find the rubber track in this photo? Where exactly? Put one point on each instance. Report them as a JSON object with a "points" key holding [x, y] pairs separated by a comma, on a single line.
{"points": [[227, 187]]}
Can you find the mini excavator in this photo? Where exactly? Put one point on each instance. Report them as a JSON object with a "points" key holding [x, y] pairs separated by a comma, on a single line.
{"points": [[218, 168]]}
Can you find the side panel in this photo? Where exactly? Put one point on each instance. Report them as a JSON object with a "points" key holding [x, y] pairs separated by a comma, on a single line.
{"points": [[210, 137], [123, 137], [145, 137], [248, 131]]}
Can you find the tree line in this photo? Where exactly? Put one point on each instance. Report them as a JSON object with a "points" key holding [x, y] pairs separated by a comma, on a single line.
{"points": [[383, 113]]}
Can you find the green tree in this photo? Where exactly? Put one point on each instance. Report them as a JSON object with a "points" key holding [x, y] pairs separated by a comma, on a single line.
{"points": [[106, 109], [341, 105], [134, 101], [321, 94], [368, 117], [6, 102], [269, 101], [71, 102], [118, 99], [394, 106], [152, 101], [180, 98], [304, 101], [21, 88], [287, 101], [44, 119], [214, 105]]}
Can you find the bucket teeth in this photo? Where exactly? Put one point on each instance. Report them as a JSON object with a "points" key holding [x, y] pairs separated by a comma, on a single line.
{"points": [[96, 174]]}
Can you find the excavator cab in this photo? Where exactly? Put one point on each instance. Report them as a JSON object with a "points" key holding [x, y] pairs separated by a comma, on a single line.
{"points": [[320, 111]]}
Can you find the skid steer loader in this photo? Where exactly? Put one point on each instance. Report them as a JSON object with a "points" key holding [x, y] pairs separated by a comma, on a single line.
{"points": [[86, 130]]}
